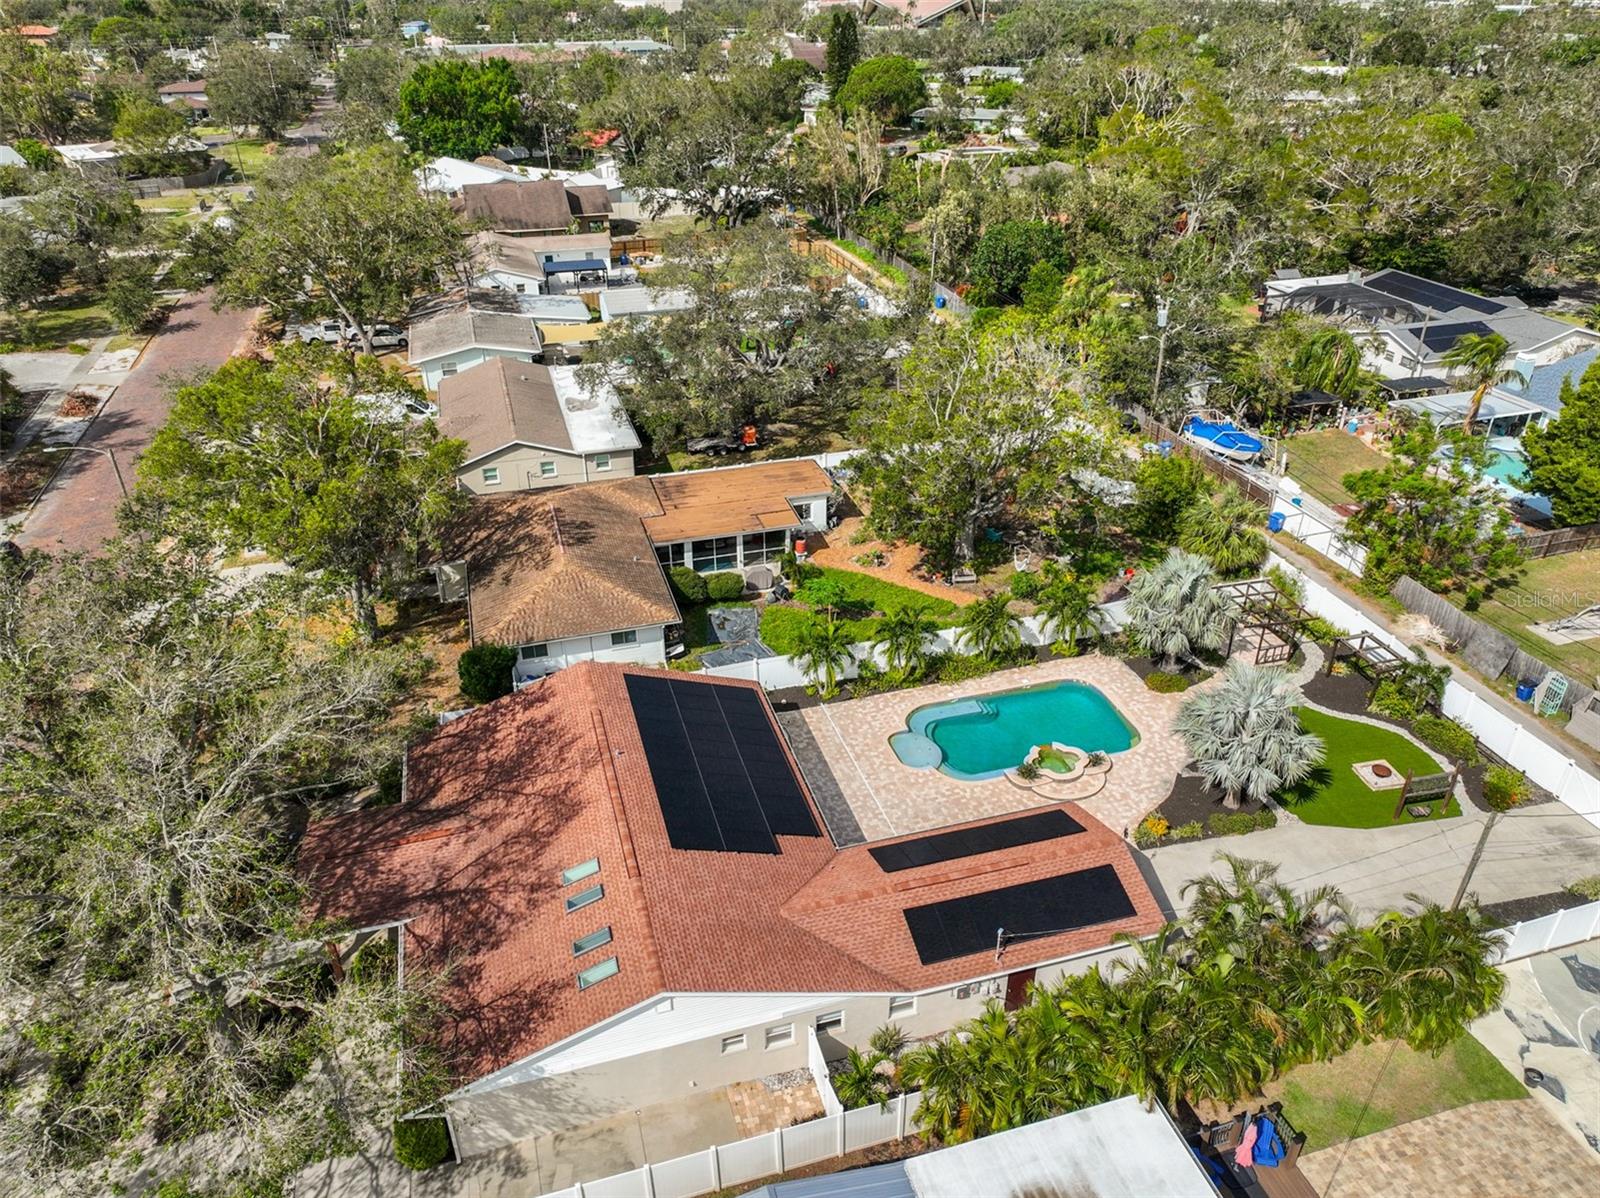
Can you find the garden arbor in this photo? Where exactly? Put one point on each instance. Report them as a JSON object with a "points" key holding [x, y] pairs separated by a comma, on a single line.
{"points": [[1260, 607]]}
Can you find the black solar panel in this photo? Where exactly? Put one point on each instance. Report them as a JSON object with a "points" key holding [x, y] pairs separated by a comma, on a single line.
{"points": [[959, 927], [1437, 296], [1443, 336], [969, 842], [723, 781]]}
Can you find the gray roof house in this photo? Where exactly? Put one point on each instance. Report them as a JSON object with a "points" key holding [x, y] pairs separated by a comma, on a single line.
{"points": [[529, 426], [451, 339], [619, 302]]}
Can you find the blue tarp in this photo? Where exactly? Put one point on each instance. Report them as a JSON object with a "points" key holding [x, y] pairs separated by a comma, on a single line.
{"points": [[568, 268], [1269, 1148]]}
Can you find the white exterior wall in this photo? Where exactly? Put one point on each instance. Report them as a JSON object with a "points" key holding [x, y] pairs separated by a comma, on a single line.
{"points": [[650, 649], [672, 1046], [465, 359], [501, 279], [521, 468]]}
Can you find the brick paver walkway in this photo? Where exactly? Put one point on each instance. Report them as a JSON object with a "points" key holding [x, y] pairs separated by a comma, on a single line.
{"points": [[79, 509], [1510, 1149], [866, 793]]}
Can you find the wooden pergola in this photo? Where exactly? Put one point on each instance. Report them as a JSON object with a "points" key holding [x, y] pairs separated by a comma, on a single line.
{"points": [[1377, 658], [1260, 607]]}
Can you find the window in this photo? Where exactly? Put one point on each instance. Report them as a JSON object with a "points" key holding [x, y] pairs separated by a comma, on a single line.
{"points": [[587, 944], [522, 288], [579, 872], [721, 553], [732, 1044], [602, 461], [547, 469], [833, 1021], [448, 370], [780, 1036], [549, 257], [764, 546], [670, 555], [491, 476], [899, 1008], [532, 652], [597, 973], [584, 897], [625, 638]]}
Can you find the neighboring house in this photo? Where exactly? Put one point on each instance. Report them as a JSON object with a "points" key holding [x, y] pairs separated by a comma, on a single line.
{"points": [[914, 14], [104, 157], [990, 74], [571, 254], [617, 303], [548, 310], [505, 263], [813, 54], [565, 576], [189, 93], [568, 343], [1531, 397], [1117, 1149], [1412, 322], [458, 336], [449, 176], [811, 101], [737, 516], [37, 35], [984, 120], [534, 207], [529, 427], [669, 7], [629, 893]]}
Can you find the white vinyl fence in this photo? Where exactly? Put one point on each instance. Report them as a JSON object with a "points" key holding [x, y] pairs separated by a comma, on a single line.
{"points": [[1531, 937], [1320, 531], [818, 1065], [1545, 763], [750, 1160]]}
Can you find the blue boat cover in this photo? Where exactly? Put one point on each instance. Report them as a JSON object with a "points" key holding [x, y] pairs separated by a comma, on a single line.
{"points": [[1226, 435], [1269, 1148]]}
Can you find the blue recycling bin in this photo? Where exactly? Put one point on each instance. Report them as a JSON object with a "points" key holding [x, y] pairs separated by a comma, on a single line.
{"points": [[938, 301], [1275, 522], [1525, 690]]}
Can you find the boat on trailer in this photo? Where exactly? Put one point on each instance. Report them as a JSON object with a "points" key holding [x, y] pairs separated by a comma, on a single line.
{"points": [[1223, 438]]}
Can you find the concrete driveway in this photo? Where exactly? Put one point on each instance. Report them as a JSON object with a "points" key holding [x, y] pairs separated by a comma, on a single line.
{"points": [[40, 372], [1532, 851]]}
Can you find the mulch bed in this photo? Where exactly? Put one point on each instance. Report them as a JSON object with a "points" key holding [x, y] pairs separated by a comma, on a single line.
{"points": [[1503, 915], [1191, 800], [1145, 666], [21, 479], [78, 405]]}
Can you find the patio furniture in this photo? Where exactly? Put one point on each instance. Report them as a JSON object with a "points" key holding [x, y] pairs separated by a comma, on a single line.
{"points": [[1429, 792], [1220, 1141]]}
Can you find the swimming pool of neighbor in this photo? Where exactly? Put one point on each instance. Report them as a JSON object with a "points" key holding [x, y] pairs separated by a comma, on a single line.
{"points": [[982, 737]]}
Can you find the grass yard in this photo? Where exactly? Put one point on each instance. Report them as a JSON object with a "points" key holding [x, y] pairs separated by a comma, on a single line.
{"points": [[59, 322], [1328, 1101], [1319, 460], [1334, 795], [1550, 587], [866, 598]]}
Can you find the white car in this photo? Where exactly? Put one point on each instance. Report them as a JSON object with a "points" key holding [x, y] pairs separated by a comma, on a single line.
{"points": [[384, 336], [329, 332], [395, 406]]}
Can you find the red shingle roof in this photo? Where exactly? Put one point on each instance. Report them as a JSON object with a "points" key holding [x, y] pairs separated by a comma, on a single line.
{"points": [[501, 801]]}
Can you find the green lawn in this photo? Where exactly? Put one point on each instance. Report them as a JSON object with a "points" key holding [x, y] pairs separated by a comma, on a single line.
{"points": [[1334, 795], [781, 626], [59, 321], [1329, 1101], [1319, 460], [1550, 587]]}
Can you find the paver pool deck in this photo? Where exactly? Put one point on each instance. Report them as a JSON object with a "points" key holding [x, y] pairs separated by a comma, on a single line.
{"points": [[867, 793]]}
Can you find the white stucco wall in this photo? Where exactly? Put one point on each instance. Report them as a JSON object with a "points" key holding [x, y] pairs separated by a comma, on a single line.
{"points": [[465, 359], [650, 649]]}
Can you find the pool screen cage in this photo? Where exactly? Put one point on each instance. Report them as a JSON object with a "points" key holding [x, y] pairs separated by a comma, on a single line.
{"points": [[1261, 610]]}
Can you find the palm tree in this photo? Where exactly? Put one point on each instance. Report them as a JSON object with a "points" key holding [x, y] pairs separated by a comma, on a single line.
{"points": [[860, 1083], [1064, 609], [1245, 735], [989, 629], [1174, 609], [1225, 529], [1478, 357], [823, 652], [1330, 361], [903, 635]]}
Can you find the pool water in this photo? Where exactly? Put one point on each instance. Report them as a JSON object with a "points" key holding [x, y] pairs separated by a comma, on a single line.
{"points": [[984, 736], [1507, 467]]}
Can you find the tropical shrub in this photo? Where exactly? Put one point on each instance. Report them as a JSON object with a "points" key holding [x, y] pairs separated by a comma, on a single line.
{"points": [[1320, 631], [687, 586], [485, 671], [1409, 691], [1174, 610], [1192, 830], [824, 654], [421, 1143], [859, 1082], [1150, 830], [904, 636], [1165, 488], [1238, 823], [1245, 735], [1029, 771], [1025, 584], [1166, 684], [1588, 888], [724, 586], [959, 667], [1448, 737], [890, 1041], [989, 629], [1065, 608], [1505, 788], [1225, 528]]}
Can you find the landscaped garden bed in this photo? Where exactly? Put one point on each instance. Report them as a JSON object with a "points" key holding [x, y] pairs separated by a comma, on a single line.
{"points": [[1194, 811], [1336, 795], [859, 602]]}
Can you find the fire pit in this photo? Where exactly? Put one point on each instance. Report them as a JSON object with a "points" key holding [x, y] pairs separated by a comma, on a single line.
{"points": [[1380, 770], [1378, 775]]}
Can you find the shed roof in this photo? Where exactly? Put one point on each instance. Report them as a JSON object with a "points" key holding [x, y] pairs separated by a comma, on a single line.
{"points": [[465, 327]]}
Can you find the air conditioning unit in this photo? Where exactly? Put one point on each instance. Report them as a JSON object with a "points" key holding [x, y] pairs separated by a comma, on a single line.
{"points": [[963, 991]]}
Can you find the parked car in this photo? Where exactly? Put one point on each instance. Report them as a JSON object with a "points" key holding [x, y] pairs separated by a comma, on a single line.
{"points": [[397, 406], [384, 336], [720, 445], [329, 332]]}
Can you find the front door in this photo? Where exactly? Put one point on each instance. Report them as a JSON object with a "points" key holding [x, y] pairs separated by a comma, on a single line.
{"points": [[1017, 988]]}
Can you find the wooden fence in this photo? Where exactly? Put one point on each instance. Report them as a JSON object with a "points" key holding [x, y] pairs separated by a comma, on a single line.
{"points": [[634, 246], [1560, 540], [1253, 487]]}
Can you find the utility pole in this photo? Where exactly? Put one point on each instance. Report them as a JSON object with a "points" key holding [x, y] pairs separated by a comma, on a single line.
{"points": [[1472, 863], [1161, 352]]}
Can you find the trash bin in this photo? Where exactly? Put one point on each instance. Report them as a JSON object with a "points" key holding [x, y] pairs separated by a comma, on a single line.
{"points": [[1275, 522], [1525, 689], [1354, 426]]}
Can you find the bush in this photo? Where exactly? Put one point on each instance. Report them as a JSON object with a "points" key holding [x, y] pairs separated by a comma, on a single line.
{"points": [[1028, 771], [485, 671], [1025, 585], [724, 586], [959, 667], [1320, 631], [1390, 699], [1166, 684], [1150, 830], [1504, 787], [421, 1143], [1588, 888], [1237, 823], [889, 1040], [1192, 830], [1448, 737], [687, 586]]}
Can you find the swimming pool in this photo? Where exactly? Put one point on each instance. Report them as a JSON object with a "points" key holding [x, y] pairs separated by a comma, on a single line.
{"points": [[982, 737], [1507, 468]]}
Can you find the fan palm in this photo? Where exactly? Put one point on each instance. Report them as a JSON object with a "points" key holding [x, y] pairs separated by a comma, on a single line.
{"points": [[1064, 609], [1477, 356], [903, 635], [989, 628], [1329, 361], [1245, 736], [1225, 529], [823, 652], [1174, 609]]}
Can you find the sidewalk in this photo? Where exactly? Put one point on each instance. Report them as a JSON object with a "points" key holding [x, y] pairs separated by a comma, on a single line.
{"points": [[45, 419]]}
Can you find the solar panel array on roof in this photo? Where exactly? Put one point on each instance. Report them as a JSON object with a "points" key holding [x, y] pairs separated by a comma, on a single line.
{"points": [[1438, 296], [721, 776], [969, 842], [1443, 336], [959, 927]]}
